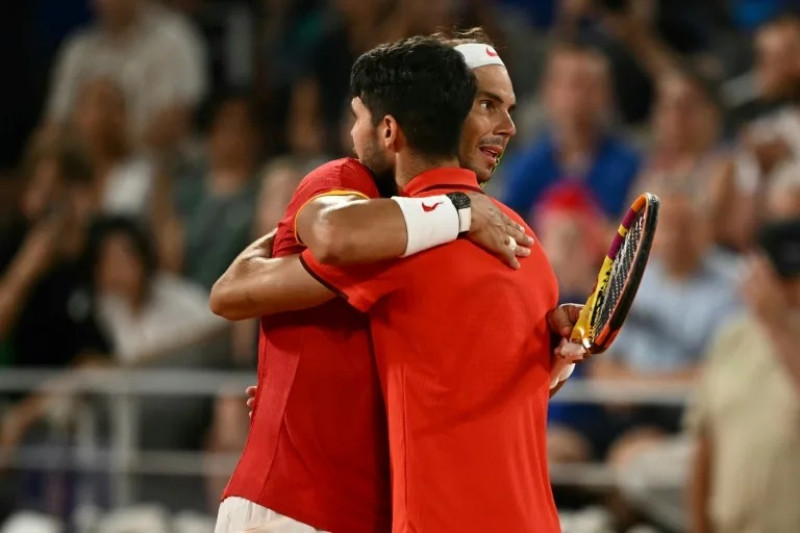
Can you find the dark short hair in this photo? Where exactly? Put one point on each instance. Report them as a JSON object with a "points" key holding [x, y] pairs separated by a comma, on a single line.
{"points": [[424, 84], [136, 232], [456, 36]]}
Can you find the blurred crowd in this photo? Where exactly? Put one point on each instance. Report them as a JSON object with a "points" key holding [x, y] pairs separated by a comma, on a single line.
{"points": [[148, 142]]}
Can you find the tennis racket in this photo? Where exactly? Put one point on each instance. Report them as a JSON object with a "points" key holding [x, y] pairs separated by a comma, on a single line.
{"points": [[623, 267]]}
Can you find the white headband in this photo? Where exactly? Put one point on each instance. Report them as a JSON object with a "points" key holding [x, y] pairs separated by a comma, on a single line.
{"points": [[479, 55]]}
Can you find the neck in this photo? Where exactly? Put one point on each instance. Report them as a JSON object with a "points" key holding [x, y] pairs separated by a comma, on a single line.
{"points": [[408, 167]]}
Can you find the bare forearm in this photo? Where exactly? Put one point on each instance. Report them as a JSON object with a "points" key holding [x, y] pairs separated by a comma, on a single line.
{"points": [[14, 289], [256, 285], [700, 485], [355, 232]]}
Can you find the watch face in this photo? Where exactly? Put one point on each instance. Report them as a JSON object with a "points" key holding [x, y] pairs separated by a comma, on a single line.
{"points": [[460, 200]]}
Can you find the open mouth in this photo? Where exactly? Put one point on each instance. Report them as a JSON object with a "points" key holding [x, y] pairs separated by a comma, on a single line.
{"points": [[492, 152]]}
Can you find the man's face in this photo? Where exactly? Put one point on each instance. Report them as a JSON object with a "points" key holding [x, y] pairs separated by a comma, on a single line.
{"points": [[778, 60], [683, 117], [366, 144], [576, 89], [488, 126]]}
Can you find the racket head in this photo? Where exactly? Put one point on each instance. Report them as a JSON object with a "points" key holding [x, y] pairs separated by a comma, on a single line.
{"points": [[619, 277]]}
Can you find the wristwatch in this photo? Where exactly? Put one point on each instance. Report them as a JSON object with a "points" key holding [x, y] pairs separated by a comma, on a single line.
{"points": [[463, 206]]}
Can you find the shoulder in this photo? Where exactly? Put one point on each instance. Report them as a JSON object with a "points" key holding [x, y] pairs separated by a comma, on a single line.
{"points": [[345, 175]]}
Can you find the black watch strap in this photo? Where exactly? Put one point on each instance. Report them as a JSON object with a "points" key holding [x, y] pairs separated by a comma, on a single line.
{"points": [[463, 206]]}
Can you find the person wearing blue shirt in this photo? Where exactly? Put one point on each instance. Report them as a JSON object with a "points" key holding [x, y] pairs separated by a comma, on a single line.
{"points": [[578, 146]]}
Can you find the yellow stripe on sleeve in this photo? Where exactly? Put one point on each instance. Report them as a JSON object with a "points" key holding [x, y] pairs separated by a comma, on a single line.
{"points": [[334, 192]]}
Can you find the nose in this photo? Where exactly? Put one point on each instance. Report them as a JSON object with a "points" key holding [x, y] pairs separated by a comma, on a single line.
{"points": [[506, 128]]}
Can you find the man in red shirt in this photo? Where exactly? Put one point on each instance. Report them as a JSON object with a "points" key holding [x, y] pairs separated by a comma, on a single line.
{"points": [[316, 451], [462, 343]]}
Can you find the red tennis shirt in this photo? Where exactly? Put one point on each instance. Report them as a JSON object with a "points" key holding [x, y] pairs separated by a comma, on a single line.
{"points": [[317, 450], [463, 352]]}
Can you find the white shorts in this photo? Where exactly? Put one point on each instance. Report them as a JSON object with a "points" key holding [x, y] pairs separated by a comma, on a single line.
{"points": [[237, 515]]}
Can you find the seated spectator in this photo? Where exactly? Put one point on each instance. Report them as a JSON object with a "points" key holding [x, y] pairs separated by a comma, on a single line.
{"points": [[42, 280], [153, 53], [46, 309], [215, 204], [686, 127], [769, 136], [683, 298], [570, 228], [578, 146], [146, 312], [746, 466], [124, 179]]}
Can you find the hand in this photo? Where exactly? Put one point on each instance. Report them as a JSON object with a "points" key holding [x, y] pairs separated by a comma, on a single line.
{"points": [[563, 318], [251, 398], [494, 231], [764, 294]]}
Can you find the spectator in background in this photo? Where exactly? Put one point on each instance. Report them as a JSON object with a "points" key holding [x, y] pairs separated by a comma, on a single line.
{"points": [[146, 312], [41, 275], [123, 179], [570, 228], [152, 53], [215, 205], [746, 467], [770, 136], [683, 299], [686, 128], [578, 146], [46, 309]]}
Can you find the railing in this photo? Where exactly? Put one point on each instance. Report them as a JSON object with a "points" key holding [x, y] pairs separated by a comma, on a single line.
{"points": [[126, 388]]}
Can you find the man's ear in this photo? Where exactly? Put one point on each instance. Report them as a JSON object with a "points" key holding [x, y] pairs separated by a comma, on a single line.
{"points": [[391, 135]]}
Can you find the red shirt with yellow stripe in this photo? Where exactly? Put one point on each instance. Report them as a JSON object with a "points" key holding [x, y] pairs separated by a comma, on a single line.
{"points": [[317, 449]]}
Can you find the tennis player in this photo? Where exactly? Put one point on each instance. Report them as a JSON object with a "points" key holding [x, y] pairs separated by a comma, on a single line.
{"points": [[462, 343], [316, 450]]}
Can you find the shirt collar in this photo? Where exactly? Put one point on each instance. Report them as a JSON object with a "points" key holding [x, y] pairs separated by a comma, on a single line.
{"points": [[442, 178]]}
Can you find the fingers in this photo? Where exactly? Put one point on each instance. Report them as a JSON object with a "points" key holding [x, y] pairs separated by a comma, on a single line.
{"points": [[508, 253], [517, 232], [251, 391], [560, 321]]}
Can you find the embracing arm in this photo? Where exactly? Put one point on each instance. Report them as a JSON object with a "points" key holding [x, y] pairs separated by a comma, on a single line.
{"points": [[342, 230], [346, 230], [256, 285]]}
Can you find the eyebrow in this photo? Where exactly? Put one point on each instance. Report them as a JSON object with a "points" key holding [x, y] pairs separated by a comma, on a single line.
{"points": [[496, 97]]}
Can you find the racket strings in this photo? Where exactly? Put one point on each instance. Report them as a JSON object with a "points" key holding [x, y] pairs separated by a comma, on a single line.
{"points": [[620, 270]]}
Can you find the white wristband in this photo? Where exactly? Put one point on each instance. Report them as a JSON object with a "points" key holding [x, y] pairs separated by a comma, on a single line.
{"points": [[430, 221]]}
